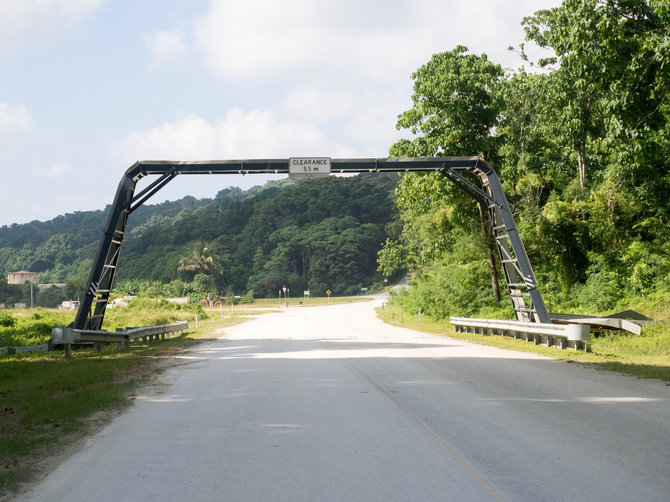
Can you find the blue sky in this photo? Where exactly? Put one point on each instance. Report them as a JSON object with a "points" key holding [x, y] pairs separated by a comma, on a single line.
{"points": [[89, 86]]}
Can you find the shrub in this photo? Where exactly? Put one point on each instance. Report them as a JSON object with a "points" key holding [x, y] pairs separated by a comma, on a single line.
{"points": [[33, 330], [7, 319]]}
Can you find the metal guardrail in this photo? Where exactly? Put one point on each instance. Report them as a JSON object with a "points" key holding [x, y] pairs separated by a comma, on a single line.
{"points": [[573, 336], [69, 336], [20, 349]]}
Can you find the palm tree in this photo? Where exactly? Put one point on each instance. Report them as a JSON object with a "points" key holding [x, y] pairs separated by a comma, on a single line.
{"points": [[199, 261]]}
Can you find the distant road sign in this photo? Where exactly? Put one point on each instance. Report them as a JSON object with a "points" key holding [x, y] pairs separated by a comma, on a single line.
{"points": [[308, 167], [328, 292]]}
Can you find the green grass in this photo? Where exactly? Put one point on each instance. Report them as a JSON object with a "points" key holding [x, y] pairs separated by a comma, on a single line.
{"points": [[45, 398], [31, 326], [644, 356]]}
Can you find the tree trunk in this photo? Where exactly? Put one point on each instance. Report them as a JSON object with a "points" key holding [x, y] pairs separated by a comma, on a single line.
{"points": [[490, 251], [581, 164]]}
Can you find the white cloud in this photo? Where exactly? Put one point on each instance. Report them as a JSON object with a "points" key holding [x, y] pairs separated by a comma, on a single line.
{"points": [[376, 116], [14, 118], [32, 22], [55, 171], [165, 47], [318, 103], [254, 134], [347, 64], [302, 39], [349, 39], [363, 116]]}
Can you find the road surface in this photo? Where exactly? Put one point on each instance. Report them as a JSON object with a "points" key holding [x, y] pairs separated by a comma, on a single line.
{"points": [[329, 404]]}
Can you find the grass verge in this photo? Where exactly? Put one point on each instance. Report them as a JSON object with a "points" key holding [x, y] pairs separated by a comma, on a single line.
{"points": [[645, 356]]}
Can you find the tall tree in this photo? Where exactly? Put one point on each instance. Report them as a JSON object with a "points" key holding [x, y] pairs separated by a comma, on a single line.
{"points": [[199, 261], [456, 105], [611, 76]]}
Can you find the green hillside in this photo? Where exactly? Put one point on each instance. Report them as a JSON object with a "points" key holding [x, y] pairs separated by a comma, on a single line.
{"points": [[309, 234]]}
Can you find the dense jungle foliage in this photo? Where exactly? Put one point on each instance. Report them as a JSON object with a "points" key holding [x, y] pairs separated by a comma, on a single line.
{"points": [[581, 143], [315, 235]]}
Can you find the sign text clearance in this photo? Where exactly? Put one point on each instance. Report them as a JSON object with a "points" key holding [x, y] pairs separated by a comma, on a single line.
{"points": [[308, 167]]}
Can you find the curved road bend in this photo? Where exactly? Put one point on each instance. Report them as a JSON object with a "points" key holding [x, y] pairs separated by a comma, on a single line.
{"points": [[330, 404]]}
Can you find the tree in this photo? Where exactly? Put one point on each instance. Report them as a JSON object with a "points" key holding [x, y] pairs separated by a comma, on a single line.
{"points": [[51, 297], [606, 100], [612, 74], [75, 287], [199, 261], [456, 106]]}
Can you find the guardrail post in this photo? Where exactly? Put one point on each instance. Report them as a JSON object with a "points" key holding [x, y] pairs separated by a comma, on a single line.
{"points": [[118, 344]]}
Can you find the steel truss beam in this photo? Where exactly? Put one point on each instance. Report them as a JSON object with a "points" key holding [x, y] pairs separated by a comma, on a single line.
{"points": [[521, 283]]}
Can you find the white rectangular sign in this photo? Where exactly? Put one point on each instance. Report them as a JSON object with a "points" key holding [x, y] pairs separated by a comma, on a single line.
{"points": [[308, 167]]}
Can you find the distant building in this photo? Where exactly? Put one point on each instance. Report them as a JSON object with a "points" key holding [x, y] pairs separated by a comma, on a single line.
{"points": [[22, 277]]}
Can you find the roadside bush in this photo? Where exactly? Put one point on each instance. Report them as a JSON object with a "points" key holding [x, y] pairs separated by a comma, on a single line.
{"points": [[645, 265], [33, 330], [143, 311], [7, 319]]}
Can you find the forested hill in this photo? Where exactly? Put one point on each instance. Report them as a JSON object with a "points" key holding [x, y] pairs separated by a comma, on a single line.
{"points": [[310, 234]]}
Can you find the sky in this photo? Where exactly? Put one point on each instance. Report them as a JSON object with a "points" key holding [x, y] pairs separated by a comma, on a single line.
{"points": [[88, 87]]}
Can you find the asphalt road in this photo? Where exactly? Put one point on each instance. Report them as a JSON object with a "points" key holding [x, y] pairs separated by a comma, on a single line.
{"points": [[330, 404]]}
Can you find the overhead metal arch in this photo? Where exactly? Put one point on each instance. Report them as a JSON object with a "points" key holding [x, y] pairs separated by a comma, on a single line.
{"points": [[521, 283]]}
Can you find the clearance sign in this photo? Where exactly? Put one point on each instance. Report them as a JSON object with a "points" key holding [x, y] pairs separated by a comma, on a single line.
{"points": [[308, 167]]}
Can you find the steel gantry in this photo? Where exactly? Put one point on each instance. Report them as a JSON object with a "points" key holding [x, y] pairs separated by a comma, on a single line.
{"points": [[521, 283]]}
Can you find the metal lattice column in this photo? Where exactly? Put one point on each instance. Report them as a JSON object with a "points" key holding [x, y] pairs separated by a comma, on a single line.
{"points": [[528, 302], [102, 273]]}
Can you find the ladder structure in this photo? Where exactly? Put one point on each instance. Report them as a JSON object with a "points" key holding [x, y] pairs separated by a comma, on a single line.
{"points": [[522, 287]]}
